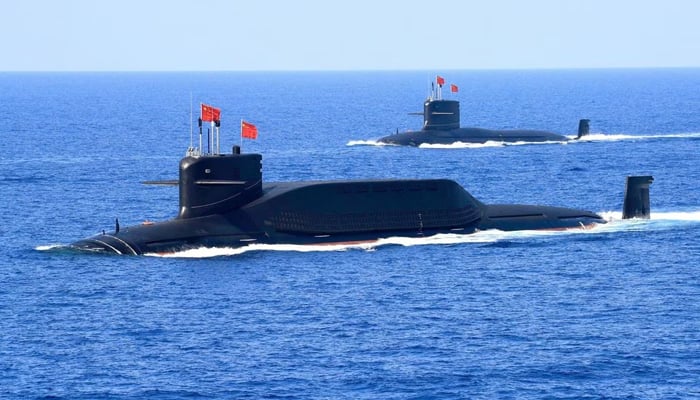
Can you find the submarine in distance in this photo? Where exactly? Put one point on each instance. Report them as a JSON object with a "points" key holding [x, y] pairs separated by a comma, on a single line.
{"points": [[223, 202], [441, 125]]}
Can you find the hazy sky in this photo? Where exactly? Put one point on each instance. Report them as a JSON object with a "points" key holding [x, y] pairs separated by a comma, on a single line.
{"points": [[212, 35]]}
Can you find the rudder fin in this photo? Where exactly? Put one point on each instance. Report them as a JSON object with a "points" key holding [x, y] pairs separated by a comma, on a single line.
{"points": [[584, 127], [636, 203]]}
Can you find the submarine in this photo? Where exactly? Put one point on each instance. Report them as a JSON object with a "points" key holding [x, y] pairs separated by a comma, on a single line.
{"points": [[441, 125], [224, 202]]}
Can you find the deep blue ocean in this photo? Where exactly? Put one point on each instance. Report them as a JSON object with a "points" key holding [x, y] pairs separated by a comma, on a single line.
{"points": [[607, 313]]}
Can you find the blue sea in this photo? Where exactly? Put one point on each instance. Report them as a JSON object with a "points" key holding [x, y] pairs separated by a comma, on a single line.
{"points": [[607, 313]]}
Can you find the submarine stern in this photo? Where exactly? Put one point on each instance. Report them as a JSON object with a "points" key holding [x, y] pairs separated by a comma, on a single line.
{"points": [[517, 217]]}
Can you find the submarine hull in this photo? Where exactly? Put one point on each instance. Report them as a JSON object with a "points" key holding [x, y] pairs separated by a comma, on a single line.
{"points": [[337, 212], [471, 135], [119, 243]]}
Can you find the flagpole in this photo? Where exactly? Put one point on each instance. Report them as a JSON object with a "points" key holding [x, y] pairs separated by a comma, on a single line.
{"points": [[241, 133], [216, 136], [191, 132], [212, 149], [200, 130]]}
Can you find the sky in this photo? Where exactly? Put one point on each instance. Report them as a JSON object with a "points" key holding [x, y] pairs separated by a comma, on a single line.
{"points": [[313, 35]]}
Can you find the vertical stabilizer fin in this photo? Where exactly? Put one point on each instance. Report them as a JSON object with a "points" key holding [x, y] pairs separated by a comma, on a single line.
{"points": [[636, 204], [584, 127]]}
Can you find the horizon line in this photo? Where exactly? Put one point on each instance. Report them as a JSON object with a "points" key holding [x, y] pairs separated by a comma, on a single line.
{"points": [[344, 70]]}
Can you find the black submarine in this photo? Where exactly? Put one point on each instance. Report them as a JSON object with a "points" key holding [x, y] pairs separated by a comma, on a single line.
{"points": [[441, 125], [225, 203]]}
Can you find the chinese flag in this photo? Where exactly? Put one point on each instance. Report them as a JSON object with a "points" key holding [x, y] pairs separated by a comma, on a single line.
{"points": [[248, 130], [210, 113], [440, 80], [454, 88]]}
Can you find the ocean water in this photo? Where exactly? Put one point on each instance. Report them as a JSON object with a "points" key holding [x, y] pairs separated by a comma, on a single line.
{"points": [[611, 312]]}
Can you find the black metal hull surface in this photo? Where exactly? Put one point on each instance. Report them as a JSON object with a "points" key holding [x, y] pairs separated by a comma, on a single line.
{"points": [[338, 212], [471, 135]]}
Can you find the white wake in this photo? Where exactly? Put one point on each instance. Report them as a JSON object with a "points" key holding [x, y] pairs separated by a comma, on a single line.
{"points": [[658, 221]]}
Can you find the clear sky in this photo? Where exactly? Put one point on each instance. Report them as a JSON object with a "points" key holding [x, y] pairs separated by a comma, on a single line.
{"points": [[234, 35]]}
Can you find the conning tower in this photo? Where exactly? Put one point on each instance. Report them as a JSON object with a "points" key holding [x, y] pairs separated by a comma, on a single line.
{"points": [[440, 114], [218, 183]]}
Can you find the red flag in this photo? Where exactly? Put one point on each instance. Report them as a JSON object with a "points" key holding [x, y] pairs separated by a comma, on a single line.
{"points": [[210, 113], [453, 88], [440, 80], [248, 130]]}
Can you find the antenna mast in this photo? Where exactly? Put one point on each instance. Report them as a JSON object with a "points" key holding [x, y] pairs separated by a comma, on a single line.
{"points": [[191, 133]]}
